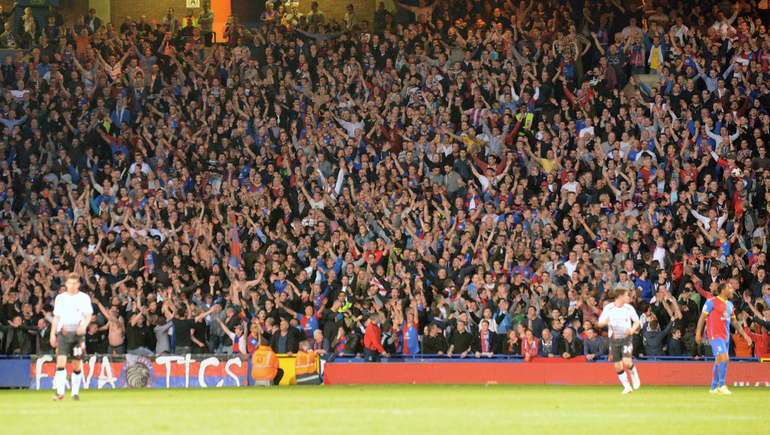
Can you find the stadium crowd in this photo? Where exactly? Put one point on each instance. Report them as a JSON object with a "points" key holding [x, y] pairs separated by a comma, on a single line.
{"points": [[456, 178]]}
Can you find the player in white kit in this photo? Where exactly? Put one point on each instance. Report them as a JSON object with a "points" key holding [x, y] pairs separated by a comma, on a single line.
{"points": [[71, 315], [623, 323]]}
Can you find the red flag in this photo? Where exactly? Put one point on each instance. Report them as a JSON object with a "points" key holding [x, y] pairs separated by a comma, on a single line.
{"points": [[235, 248]]}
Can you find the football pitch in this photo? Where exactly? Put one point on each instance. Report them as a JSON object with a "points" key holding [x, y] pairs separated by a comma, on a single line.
{"points": [[392, 409]]}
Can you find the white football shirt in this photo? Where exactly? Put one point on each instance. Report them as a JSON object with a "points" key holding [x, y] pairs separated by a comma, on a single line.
{"points": [[619, 319], [73, 310]]}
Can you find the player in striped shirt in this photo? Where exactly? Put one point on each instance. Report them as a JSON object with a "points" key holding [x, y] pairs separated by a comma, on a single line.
{"points": [[717, 316], [622, 322]]}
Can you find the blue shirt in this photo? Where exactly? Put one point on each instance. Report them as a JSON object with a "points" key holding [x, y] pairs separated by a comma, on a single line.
{"points": [[646, 286], [280, 287]]}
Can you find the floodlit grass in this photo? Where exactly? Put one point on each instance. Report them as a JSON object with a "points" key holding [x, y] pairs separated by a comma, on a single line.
{"points": [[395, 409]]}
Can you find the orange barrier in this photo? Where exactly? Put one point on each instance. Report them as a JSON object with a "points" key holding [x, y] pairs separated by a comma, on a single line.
{"points": [[287, 364]]}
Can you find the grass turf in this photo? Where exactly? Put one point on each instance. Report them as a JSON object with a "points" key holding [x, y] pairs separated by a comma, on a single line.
{"points": [[393, 409]]}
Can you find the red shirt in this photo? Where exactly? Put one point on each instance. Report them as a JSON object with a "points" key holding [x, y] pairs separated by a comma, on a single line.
{"points": [[531, 348], [761, 342], [373, 338], [693, 173]]}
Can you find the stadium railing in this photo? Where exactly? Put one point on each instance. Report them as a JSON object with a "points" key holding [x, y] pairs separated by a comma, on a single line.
{"points": [[496, 358], [519, 358]]}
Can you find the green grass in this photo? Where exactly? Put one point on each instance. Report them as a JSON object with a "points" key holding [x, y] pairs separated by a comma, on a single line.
{"points": [[396, 410]]}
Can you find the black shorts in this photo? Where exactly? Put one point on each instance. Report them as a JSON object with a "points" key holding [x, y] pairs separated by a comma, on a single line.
{"points": [[71, 345], [621, 348]]}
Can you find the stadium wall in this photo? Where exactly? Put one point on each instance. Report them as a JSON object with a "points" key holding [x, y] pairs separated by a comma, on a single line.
{"points": [[132, 371], [13, 371], [70, 9], [155, 9], [177, 371], [539, 372]]}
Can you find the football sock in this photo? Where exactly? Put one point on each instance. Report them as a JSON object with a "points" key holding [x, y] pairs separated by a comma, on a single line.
{"points": [[715, 377], [624, 379], [60, 381], [722, 373], [632, 370], [76, 379]]}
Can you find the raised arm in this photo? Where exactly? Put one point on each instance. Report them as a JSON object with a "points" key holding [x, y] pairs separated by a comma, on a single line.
{"points": [[224, 327], [701, 324], [742, 331], [202, 316]]}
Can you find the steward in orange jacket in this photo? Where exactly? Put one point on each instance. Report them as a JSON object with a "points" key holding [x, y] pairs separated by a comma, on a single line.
{"points": [[304, 367], [264, 365]]}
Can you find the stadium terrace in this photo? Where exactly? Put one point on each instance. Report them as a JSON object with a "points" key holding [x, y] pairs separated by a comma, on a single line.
{"points": [[457, 179]]}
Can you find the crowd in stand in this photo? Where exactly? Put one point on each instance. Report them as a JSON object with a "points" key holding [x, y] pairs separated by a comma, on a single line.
{"points": [[455, 178]]}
